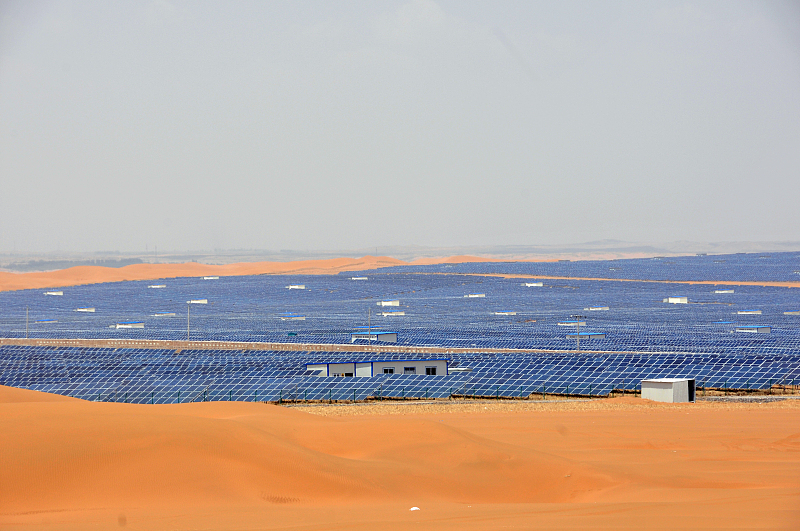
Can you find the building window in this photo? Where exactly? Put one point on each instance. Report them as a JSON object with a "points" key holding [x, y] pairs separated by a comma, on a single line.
{"points": [[409, 370], [430, 371], [388, 370]]}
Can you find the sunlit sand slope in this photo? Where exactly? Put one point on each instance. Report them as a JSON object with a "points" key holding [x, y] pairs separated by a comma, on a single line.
{"points": [[66, 464]]}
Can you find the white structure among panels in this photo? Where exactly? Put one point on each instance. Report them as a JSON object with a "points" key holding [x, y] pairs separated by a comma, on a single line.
{"points": [[366, 369], [669, 389]]}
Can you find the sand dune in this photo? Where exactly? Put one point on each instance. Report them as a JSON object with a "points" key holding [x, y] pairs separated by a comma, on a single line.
{"points": [[75, 276], [70, 464]]}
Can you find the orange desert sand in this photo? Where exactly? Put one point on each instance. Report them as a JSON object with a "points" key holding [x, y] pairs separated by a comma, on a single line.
{"points": [[620, 463], [92, 274]]}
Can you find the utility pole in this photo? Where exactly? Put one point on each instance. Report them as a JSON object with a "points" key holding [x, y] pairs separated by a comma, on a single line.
{"points": [[578, 328]]}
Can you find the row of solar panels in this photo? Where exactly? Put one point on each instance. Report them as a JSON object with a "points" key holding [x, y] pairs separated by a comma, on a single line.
{"points": [[127, 378], [732, 267]]}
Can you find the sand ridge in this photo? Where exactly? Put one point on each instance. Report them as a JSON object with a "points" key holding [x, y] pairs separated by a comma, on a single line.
{"points": [[81, 275], [624, 463]]}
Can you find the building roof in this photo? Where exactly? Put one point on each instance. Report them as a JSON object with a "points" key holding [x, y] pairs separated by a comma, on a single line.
{"points": [[374, 361]]}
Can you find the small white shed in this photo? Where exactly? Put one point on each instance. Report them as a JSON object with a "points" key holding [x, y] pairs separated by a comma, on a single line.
{"points": [[669, 389], [755, 329], [386, 337]]}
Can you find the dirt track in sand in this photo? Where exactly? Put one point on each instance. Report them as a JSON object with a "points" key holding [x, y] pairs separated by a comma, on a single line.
{"points": [[622, 463]]}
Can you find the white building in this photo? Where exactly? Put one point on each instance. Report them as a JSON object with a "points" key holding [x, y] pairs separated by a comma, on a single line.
{"points": [[388, 303], [533, 284], [474, 295], [292, 317], [677, 300], [157, 286], [392, 314], [358, 278], [197, 301], [87, 310], [669, 389], [210, 278], [596, 308], [723, 291], [164, 314], [755, 329], [130, 325], [505, 313], [587, 335], [296, 286], [366, 369], [55, 293], [749, 312], [386, 337], [792, 313]]}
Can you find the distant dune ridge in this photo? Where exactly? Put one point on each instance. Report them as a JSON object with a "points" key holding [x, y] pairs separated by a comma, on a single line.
{"points": [[71, 464], [75, 276]]}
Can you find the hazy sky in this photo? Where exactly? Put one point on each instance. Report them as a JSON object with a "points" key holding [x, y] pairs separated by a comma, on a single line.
{"points": [[341, 125]]}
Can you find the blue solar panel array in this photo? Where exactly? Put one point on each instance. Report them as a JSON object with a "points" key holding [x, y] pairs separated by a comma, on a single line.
{"points": [[167, 376], [775, 267], [697, 339]]}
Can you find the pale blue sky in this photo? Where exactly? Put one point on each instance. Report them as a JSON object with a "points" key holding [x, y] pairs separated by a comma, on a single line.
{"points": [[341, 125]]}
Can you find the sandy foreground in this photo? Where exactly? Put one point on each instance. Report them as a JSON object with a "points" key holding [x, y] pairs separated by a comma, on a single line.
{"points": [[618, 463]]}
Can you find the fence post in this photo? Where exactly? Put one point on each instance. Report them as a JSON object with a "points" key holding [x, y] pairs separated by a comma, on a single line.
{"points": [[305, 395], [544, 392], [179, 396], [126, 397], [255, 395], [152, 397], [230, 395]]}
